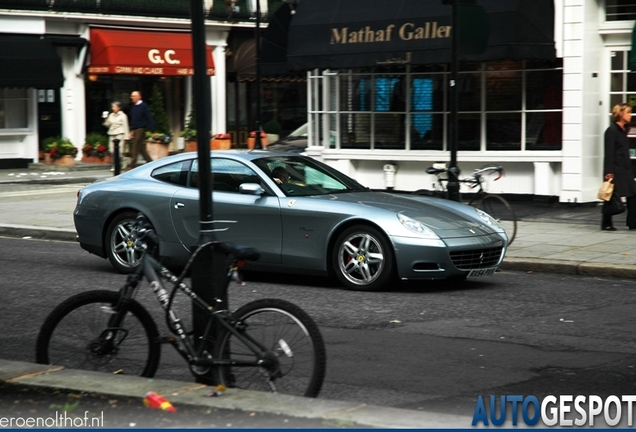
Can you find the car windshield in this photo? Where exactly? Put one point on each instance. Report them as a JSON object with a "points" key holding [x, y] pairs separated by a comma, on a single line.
{"points": [[302, 176]]}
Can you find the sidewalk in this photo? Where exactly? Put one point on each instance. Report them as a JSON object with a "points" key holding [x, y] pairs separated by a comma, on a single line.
{"points": [[553, 238]]}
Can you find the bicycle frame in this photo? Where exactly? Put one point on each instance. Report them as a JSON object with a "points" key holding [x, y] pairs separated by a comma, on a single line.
{"points": [[155, 273]]}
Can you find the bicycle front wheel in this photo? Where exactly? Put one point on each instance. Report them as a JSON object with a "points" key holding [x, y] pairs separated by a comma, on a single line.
{"points": [[77, 335], [497, 207], [293, 350]]}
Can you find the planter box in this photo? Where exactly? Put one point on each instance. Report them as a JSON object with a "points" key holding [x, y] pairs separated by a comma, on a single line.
{"points": [[156, 150], [190, 145], [220, 144], [96, 160], [251, 141], [65, 160]]}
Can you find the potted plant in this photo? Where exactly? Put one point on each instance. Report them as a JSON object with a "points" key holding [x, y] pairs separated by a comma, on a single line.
{"points": [[189, 134], [157, 142], [221, 141], [251, 140], [95, 149], [272, 128], [61, 151]]}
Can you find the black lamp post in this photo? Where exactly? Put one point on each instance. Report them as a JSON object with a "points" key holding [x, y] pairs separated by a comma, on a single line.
{"points": [[257, 40], [453, 170]]}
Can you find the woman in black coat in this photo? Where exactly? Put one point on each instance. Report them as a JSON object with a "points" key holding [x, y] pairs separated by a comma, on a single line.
{"points": [[618, 165]]}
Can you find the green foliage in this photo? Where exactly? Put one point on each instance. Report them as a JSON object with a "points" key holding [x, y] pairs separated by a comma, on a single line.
{"points": [[59, 147], [158, 111], [190, 131], [272, 127], [48, 143], [95, 138]]}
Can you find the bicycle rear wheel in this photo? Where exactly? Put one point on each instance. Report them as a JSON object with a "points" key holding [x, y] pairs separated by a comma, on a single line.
{"points": [[76, 335], [295, 356], [497, 207]]}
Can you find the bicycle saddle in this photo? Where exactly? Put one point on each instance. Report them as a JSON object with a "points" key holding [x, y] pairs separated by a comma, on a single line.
{"points": [[240, 252], [435, 171]]}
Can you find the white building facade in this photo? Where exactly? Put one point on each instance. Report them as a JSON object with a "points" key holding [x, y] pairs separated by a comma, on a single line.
{"points": [[542, 121]]}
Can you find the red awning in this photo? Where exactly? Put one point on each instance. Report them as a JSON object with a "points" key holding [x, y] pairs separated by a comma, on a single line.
{"points": [[138, 52]]}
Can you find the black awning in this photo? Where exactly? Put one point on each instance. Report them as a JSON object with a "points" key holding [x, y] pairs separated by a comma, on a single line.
{"points": [[29, 61], [360, 33], [273, 59]]}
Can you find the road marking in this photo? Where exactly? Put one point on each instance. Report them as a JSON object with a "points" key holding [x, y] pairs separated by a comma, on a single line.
{"points": [[49, 191]]}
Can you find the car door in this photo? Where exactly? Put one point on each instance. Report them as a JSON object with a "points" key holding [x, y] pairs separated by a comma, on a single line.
{"points": [[249, 220]]}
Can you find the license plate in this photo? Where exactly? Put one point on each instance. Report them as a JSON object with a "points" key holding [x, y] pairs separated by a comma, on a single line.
{"points": [[482, 272]]}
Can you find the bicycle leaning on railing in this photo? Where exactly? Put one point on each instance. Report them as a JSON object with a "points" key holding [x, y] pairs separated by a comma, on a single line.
{"points": [[265, 345], [493, 204]]}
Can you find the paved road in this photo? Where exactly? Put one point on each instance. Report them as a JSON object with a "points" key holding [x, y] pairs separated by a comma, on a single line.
{"points": [[423, 347]]}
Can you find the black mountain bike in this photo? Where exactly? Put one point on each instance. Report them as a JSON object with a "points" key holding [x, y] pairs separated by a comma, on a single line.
{"points": [[493, 204], [266, 345]]}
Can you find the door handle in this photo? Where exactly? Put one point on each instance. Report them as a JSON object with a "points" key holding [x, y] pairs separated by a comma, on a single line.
{"points": [[179, 205]]}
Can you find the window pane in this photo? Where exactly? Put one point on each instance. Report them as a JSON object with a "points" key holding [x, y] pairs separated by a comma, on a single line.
{"points": [[631, 81], [503, 131], [616, 99], [427, 93], [390, 93], [544, 131], [355, 131], [2, 116], [17, 116], [616, 81], [544, 89], [469, 89], [355, 93], [503, 91], [389, 131], [469, 133], [427, 131], [617, 60]]}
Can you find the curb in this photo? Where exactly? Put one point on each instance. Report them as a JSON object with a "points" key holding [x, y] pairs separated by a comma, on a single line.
{"points": [[41, 233], [185, 393], [626, 271]]}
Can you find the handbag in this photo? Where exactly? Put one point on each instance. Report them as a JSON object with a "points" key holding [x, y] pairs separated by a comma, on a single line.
{"points": [[614, 206], [606, 190]]}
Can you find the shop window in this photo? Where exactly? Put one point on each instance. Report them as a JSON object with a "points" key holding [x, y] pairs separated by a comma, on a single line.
{"points": [[14, 113], [506, 105], [620, 10]]}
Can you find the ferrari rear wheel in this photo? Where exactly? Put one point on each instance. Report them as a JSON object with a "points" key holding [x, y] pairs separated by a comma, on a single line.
{"points": [[363, 259], [120, 243]]}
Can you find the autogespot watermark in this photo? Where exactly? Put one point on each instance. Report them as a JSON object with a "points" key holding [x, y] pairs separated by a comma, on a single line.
{"points": [[552, 410], [59, 420]]}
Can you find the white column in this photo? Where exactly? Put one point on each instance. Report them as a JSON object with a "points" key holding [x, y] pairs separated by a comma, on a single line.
{"points": [[219, 96]]}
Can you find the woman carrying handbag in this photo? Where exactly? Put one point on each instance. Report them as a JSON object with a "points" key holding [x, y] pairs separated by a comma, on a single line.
{"points": [[618, 165]]}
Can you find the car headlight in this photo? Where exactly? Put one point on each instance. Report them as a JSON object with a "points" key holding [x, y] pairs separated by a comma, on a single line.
{"points": [[416, 226], [487, 218]]}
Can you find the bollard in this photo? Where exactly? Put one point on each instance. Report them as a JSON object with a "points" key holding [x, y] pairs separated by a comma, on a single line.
{"points": [[116, 161]]}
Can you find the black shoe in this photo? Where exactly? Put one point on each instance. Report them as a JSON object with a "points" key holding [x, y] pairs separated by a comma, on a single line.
{"points": [[611, 228]]}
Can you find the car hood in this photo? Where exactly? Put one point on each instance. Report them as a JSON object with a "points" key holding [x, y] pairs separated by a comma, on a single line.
{"points": [[448, 219]]}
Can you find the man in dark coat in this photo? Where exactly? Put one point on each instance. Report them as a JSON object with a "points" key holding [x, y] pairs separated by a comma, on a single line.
{"points": [[618, 164], [140, 121]]}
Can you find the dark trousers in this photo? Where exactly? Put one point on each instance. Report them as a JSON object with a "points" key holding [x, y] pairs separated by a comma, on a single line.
{"points": [[138, 147], [631, 215]]}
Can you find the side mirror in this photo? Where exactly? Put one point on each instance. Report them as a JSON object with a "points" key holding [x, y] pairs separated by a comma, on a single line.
{"points": [[251, 189]]}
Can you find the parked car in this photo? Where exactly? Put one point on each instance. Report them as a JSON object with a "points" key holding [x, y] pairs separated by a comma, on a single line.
{"points": [[302, 215], [295, 142]]}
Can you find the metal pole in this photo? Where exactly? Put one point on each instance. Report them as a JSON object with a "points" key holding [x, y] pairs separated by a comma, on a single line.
{"points": [[257, 40], [116, 159], [206, 282], [453, 169]]}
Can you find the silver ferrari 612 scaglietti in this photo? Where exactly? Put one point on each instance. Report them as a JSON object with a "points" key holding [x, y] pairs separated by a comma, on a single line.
{"points": [[300, 214]]}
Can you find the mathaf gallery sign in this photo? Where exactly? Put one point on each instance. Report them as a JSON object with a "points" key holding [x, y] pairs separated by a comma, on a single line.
{"points": [[406, 32]]}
